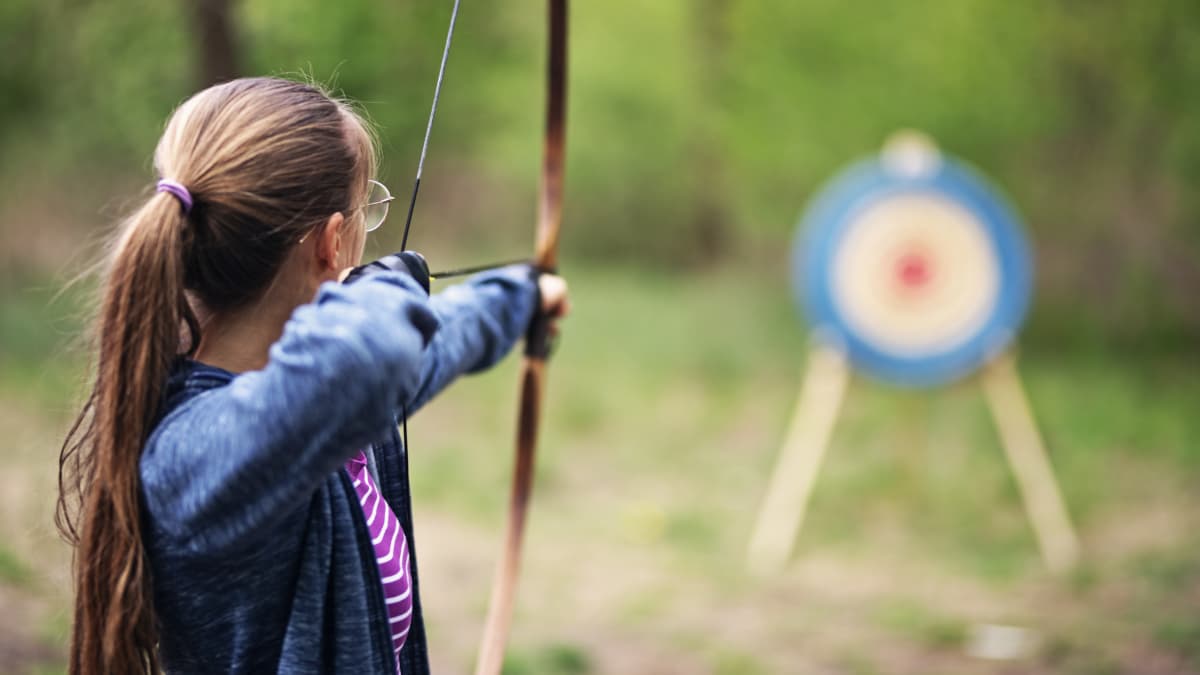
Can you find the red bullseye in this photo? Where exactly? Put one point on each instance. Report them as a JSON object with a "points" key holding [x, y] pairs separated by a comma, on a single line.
{"points": [[913, 270]]}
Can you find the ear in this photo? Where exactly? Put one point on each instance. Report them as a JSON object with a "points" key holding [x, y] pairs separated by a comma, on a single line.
{"points": [[329, 243]]}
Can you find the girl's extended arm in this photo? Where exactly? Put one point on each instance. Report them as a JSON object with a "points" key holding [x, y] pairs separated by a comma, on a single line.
{"points": [[480, 320]]}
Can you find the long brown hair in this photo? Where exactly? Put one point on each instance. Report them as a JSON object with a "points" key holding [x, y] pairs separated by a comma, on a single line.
{"points": [[265, 160]]}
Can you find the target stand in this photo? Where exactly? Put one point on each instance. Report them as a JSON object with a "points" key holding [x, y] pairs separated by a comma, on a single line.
{"points": [[913, 271]]}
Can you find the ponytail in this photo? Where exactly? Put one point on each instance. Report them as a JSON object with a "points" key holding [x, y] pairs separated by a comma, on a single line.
{"points": [[142, 310]]}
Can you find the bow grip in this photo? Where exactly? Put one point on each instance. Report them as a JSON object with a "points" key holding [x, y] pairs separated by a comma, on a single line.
{"points": [[538, 343]]}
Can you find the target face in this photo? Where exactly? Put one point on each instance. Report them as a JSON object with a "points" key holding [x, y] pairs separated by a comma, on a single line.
{"points": [[918, 276]]}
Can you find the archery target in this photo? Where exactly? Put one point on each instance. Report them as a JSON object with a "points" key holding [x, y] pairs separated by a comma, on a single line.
{"points": [[919, 277]]}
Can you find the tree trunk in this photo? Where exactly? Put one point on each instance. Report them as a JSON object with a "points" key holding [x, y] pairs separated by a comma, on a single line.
{"points": [[711, 213], [215, 41]]}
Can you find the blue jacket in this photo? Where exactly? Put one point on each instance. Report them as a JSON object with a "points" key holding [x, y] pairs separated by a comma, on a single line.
{"points": [[258, 546]]}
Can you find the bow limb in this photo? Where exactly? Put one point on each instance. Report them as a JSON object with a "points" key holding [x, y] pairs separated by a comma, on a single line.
{"points": [[499, 618]]}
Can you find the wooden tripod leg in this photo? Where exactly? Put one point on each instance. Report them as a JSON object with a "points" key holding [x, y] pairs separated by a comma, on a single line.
{"points": [[796, 471], [1030, 465]]}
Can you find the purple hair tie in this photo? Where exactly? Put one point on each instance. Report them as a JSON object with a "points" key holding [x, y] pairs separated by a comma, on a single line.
{"points": [[178, 191]]}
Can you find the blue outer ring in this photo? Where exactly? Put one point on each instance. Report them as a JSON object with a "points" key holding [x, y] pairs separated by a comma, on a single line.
{"points": [[835, 210]]}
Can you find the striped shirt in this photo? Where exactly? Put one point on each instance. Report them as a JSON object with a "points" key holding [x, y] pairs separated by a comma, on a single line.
{"points": [[391, 552]]}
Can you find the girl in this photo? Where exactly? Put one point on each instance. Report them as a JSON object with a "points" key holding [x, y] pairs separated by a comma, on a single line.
{"points": [[235, 487]]}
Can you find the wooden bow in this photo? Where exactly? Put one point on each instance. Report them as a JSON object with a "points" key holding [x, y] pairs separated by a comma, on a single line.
{"points": [[545, 258]]}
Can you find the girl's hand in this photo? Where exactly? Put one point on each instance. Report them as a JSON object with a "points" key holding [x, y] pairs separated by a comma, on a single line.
{"points": [[555, 303]]}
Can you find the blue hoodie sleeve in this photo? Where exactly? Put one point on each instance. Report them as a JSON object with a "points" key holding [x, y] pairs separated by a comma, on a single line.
{"points": [[480, 320], [236, 459]]}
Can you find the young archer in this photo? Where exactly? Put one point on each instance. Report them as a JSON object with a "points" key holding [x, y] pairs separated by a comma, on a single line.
{"points": [[235, 487]]}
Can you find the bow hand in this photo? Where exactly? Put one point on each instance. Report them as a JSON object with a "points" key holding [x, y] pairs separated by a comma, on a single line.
{"points": [[552, 304]]}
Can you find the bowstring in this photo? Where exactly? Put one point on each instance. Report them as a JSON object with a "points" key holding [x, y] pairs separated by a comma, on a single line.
{"points": [[437, 93], [412, 202]]}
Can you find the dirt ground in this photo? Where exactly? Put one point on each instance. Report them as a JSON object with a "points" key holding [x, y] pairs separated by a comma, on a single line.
{"points": [[613, 582]]}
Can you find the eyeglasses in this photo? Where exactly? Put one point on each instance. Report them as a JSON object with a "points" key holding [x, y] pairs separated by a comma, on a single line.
{"points": [[376, 208]]}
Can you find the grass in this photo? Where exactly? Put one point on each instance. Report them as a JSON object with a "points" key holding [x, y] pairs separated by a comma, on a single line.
{"points": [[665, 407], [919, 623], [554, 659], [40, 346], [13, 570]]}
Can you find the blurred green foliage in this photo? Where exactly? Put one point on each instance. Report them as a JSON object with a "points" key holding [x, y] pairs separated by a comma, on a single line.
{"points": [[697, 129]]}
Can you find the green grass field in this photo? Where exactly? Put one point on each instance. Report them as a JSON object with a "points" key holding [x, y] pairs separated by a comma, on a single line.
{"points": [[666, 406]]}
